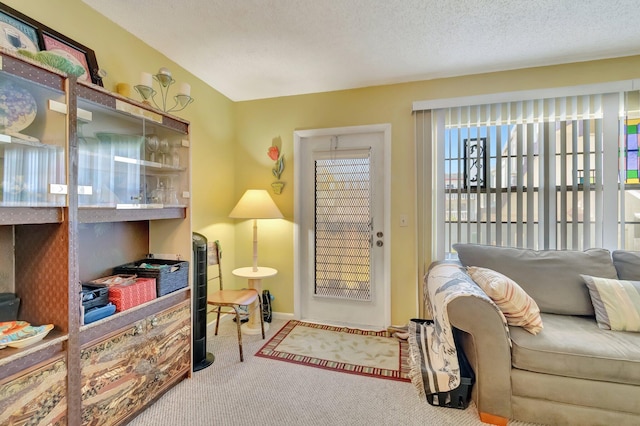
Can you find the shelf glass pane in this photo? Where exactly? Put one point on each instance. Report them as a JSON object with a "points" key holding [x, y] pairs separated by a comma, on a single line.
{"points": [[32, 144], [127, 161]]}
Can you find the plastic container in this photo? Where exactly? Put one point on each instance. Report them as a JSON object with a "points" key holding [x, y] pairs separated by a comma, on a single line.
{"points": [[94, 295]]}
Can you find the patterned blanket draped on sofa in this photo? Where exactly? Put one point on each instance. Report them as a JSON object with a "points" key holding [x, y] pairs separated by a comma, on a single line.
{"points": [[432, 352]]}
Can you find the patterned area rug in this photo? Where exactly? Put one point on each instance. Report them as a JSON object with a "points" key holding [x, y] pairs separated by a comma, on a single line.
{"points": [[349, 350]]}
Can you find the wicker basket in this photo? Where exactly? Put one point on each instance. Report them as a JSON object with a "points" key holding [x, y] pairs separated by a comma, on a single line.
{"points": [[170, 275]]}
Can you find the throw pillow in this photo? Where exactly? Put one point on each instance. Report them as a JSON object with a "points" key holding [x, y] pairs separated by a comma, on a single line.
{"points": [[616, 302], [517, 306]]}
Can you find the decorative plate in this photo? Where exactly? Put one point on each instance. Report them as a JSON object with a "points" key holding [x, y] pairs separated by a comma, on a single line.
{"points": [[25, 337], [18, 108], [10, 327]]}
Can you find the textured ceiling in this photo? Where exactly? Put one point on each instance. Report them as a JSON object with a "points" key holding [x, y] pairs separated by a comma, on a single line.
{"points": [[253, 49]]}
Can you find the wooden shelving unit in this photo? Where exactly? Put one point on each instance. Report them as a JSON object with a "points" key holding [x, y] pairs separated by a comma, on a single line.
{"points": [[62, 222]]}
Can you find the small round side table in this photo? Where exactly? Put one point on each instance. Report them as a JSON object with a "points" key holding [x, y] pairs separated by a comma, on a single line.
{"points": [[255, 281]]}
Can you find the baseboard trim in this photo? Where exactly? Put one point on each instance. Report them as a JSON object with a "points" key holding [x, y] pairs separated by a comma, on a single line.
{"points": [[282, 315]]}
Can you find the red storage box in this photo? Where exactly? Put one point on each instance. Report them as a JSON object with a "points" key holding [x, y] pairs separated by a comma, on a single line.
{"points": [[137, 292]]}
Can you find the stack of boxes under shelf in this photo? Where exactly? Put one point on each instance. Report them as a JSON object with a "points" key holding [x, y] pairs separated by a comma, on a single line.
{"points": [[131, 285]]}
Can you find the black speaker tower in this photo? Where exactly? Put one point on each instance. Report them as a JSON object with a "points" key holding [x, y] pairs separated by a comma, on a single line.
{"points": [[201, 358]]}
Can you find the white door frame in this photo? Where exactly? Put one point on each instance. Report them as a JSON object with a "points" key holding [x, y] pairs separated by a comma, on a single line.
{"points": [[298, 136]]}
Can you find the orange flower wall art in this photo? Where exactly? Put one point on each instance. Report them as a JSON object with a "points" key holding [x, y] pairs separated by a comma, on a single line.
{"points": [[274, 153]]}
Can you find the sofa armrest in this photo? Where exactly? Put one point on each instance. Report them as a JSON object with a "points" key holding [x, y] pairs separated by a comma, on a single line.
{"points": [[487, 346]]}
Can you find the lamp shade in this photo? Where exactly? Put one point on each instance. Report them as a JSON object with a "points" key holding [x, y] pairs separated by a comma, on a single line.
{"points": [[256, 204]]}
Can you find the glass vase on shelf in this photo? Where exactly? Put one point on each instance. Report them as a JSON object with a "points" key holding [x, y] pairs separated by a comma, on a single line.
{"points": [[158, 194], [172, 194]]}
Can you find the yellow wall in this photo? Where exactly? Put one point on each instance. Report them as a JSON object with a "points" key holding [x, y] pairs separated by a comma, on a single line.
{"points": [[257, 122], [230, 140]]}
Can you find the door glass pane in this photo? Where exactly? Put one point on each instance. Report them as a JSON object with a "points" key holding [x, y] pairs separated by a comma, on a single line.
{"points": [[342, 228]]}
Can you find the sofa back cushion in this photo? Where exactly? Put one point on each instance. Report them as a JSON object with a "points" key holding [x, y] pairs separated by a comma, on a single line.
{"points": [[627, 264], [551, 277]]}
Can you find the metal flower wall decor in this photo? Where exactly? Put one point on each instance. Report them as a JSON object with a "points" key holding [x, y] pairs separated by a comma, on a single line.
{"points": [[274, 153]]}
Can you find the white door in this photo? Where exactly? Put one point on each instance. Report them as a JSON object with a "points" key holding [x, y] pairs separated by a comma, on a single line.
{"points": [[342, 228]]}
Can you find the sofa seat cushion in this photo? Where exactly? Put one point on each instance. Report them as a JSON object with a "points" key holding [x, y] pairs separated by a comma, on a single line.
{"points": [[574, 346]]}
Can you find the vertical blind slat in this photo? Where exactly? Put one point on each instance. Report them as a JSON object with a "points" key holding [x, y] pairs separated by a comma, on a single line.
{"points": [[598, 171], [586, 194], [563, 185], [508, 181], [621, 167], [488, 211], [449, 207], [460, 178], [498, 213], [530, 203], [575, 231], [468, 187], [520, 183]]}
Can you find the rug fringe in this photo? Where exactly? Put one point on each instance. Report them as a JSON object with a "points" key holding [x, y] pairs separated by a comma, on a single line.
{"points": [[414, 361]]}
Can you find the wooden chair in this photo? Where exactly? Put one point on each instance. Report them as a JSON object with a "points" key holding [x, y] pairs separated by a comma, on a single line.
{"points": [[231, 299]]}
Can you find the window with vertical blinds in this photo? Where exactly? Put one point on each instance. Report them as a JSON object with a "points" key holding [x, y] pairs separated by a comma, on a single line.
{"points": [[556, 173]]}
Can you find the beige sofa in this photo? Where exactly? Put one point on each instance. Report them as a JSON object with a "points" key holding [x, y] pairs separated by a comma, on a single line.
{"points": [[572, 372]]}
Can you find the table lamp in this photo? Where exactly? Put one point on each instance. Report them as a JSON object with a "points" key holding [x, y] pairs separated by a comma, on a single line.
{"points": [[256, 204]]}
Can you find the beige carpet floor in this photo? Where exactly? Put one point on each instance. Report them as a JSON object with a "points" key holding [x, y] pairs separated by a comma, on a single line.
{"points": [[262, 391]]}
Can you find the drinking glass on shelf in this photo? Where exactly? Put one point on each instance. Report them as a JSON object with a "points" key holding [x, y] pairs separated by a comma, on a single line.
{"points": [[152, 145], [164, 150], [175, 157]]}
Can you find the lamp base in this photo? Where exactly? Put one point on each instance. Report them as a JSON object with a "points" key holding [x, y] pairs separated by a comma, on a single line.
{"points": [[249, 330]]}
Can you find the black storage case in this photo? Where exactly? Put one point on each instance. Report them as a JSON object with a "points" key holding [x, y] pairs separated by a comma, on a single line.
{"points": [[94, 295], [460, 396], [167, 279], [9, 305]]}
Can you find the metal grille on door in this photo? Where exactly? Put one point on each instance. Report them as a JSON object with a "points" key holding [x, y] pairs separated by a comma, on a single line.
{"points": [[343, 228]]}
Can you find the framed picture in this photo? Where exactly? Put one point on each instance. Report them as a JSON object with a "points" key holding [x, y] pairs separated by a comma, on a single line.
{"points": [[475, 160], [18, 31], [75, 52]]}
